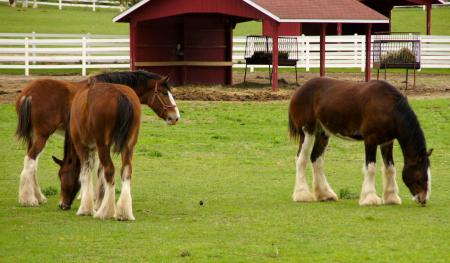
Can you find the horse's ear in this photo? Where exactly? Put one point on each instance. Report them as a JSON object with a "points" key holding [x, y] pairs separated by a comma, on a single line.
{"points": [[165, 79], [430, 151], [57, 161]]}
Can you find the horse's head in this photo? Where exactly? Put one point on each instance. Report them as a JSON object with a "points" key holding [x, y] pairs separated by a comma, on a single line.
{"points": [[161, 101], [69, 173], [417, 176]]}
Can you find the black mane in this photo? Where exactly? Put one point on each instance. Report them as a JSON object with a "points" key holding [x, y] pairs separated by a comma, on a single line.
{"points": [[133, 79], [412, 132]]}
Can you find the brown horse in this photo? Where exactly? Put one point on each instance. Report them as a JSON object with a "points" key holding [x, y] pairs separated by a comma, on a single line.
{"points": [[103, 116], [43, 105], [374, 112], [71, 167]]}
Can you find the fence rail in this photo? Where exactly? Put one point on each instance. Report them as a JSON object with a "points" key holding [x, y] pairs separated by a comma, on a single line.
{"points": [[69, 51], [93, 4]]}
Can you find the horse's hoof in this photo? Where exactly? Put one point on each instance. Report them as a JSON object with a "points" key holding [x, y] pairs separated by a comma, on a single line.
{"points": [[30, 202], [41, 198], [370, 199], [303, 196], [85, 212], [329, 195], [105, 212], [124, 217], [392, 199]]}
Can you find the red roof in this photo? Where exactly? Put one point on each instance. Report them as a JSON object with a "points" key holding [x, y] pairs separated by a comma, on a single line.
{"points": [[320, 10], [308, 11]]}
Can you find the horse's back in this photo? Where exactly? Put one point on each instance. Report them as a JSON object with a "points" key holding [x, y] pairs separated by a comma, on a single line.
{"points": [[50, 101], [344, 107], [95, 111]]}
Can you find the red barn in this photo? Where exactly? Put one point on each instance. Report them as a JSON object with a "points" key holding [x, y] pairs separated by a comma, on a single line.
{"points": [[192, 40]]}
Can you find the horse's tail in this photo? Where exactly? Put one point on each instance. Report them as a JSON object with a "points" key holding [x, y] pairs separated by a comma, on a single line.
{"points": [[23, 131], [294, 131], [124, 122]]}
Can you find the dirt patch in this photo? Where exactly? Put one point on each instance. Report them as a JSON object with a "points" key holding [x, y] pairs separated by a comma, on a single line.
{"points": [[257, 87]]}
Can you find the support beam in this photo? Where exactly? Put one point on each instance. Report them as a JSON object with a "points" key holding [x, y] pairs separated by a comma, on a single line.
{"points": [[429, 6], [339, 29], [133, 31], [368, 51], [275, 31], [323, 32], [390, 21]]}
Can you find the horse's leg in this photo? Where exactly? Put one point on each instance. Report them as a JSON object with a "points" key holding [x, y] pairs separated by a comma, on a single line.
{"points": [[100, 187], [322, 190], [124, 209], [301, 190], [390, 195], [29, 191], [368, 193], [87, 158], [107, 208]]}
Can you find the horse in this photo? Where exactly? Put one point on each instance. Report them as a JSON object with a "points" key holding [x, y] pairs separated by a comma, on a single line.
{"points": [[75, 166], [102, 117], [42, 108], [374, 112]]}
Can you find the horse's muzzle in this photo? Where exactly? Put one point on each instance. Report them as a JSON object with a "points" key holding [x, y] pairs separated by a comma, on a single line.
{"points": [[421, 198], [172, 120], [64, 206]]}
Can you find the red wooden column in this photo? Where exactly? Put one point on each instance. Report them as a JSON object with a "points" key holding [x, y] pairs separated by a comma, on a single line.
{"points": [[368, 51], [323, 32], [339, 29], [429, 19], [275, 26], [133, 32], [229, 76]]}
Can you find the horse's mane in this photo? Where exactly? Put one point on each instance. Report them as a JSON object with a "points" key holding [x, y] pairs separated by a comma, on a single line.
{"points": [[133, 79], [414, 134]]}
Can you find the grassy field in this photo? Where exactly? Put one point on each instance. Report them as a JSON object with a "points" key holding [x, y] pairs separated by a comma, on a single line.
{"points": [[45, 19], [236, 158], [78, 20]]}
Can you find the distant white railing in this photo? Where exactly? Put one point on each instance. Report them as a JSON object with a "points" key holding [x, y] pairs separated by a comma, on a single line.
{"points": [[69, 51], [73, 3]]}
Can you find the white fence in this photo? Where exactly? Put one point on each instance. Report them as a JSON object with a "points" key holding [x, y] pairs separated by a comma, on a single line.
{"points": [[51, 51], [71, 3]]}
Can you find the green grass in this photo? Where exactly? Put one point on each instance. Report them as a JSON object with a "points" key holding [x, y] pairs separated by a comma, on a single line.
{"points": [[45, 19], [237, 160], [415, 20], [82, 20]]}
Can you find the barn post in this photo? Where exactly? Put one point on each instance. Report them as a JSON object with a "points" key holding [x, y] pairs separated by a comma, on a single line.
{"points": [[133, 31], [429, 18], [275, 32], [339, 29], [323, 31], [368, 50]]}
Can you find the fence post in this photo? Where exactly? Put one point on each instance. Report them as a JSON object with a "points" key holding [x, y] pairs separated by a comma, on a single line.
{"points": [[33, 46], [355, 50], [83, 57], [88, 37], [27, 62], [307, 54], [363, 45], [93, 5], [60, 5]]}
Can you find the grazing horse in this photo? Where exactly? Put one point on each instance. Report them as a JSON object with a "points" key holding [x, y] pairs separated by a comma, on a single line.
{"points": [[42, 109], [374, 112], [101, 117], [79, 160]]}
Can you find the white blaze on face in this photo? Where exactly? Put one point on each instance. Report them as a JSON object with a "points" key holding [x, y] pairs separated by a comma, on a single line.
{"points": [[172, 101]]}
